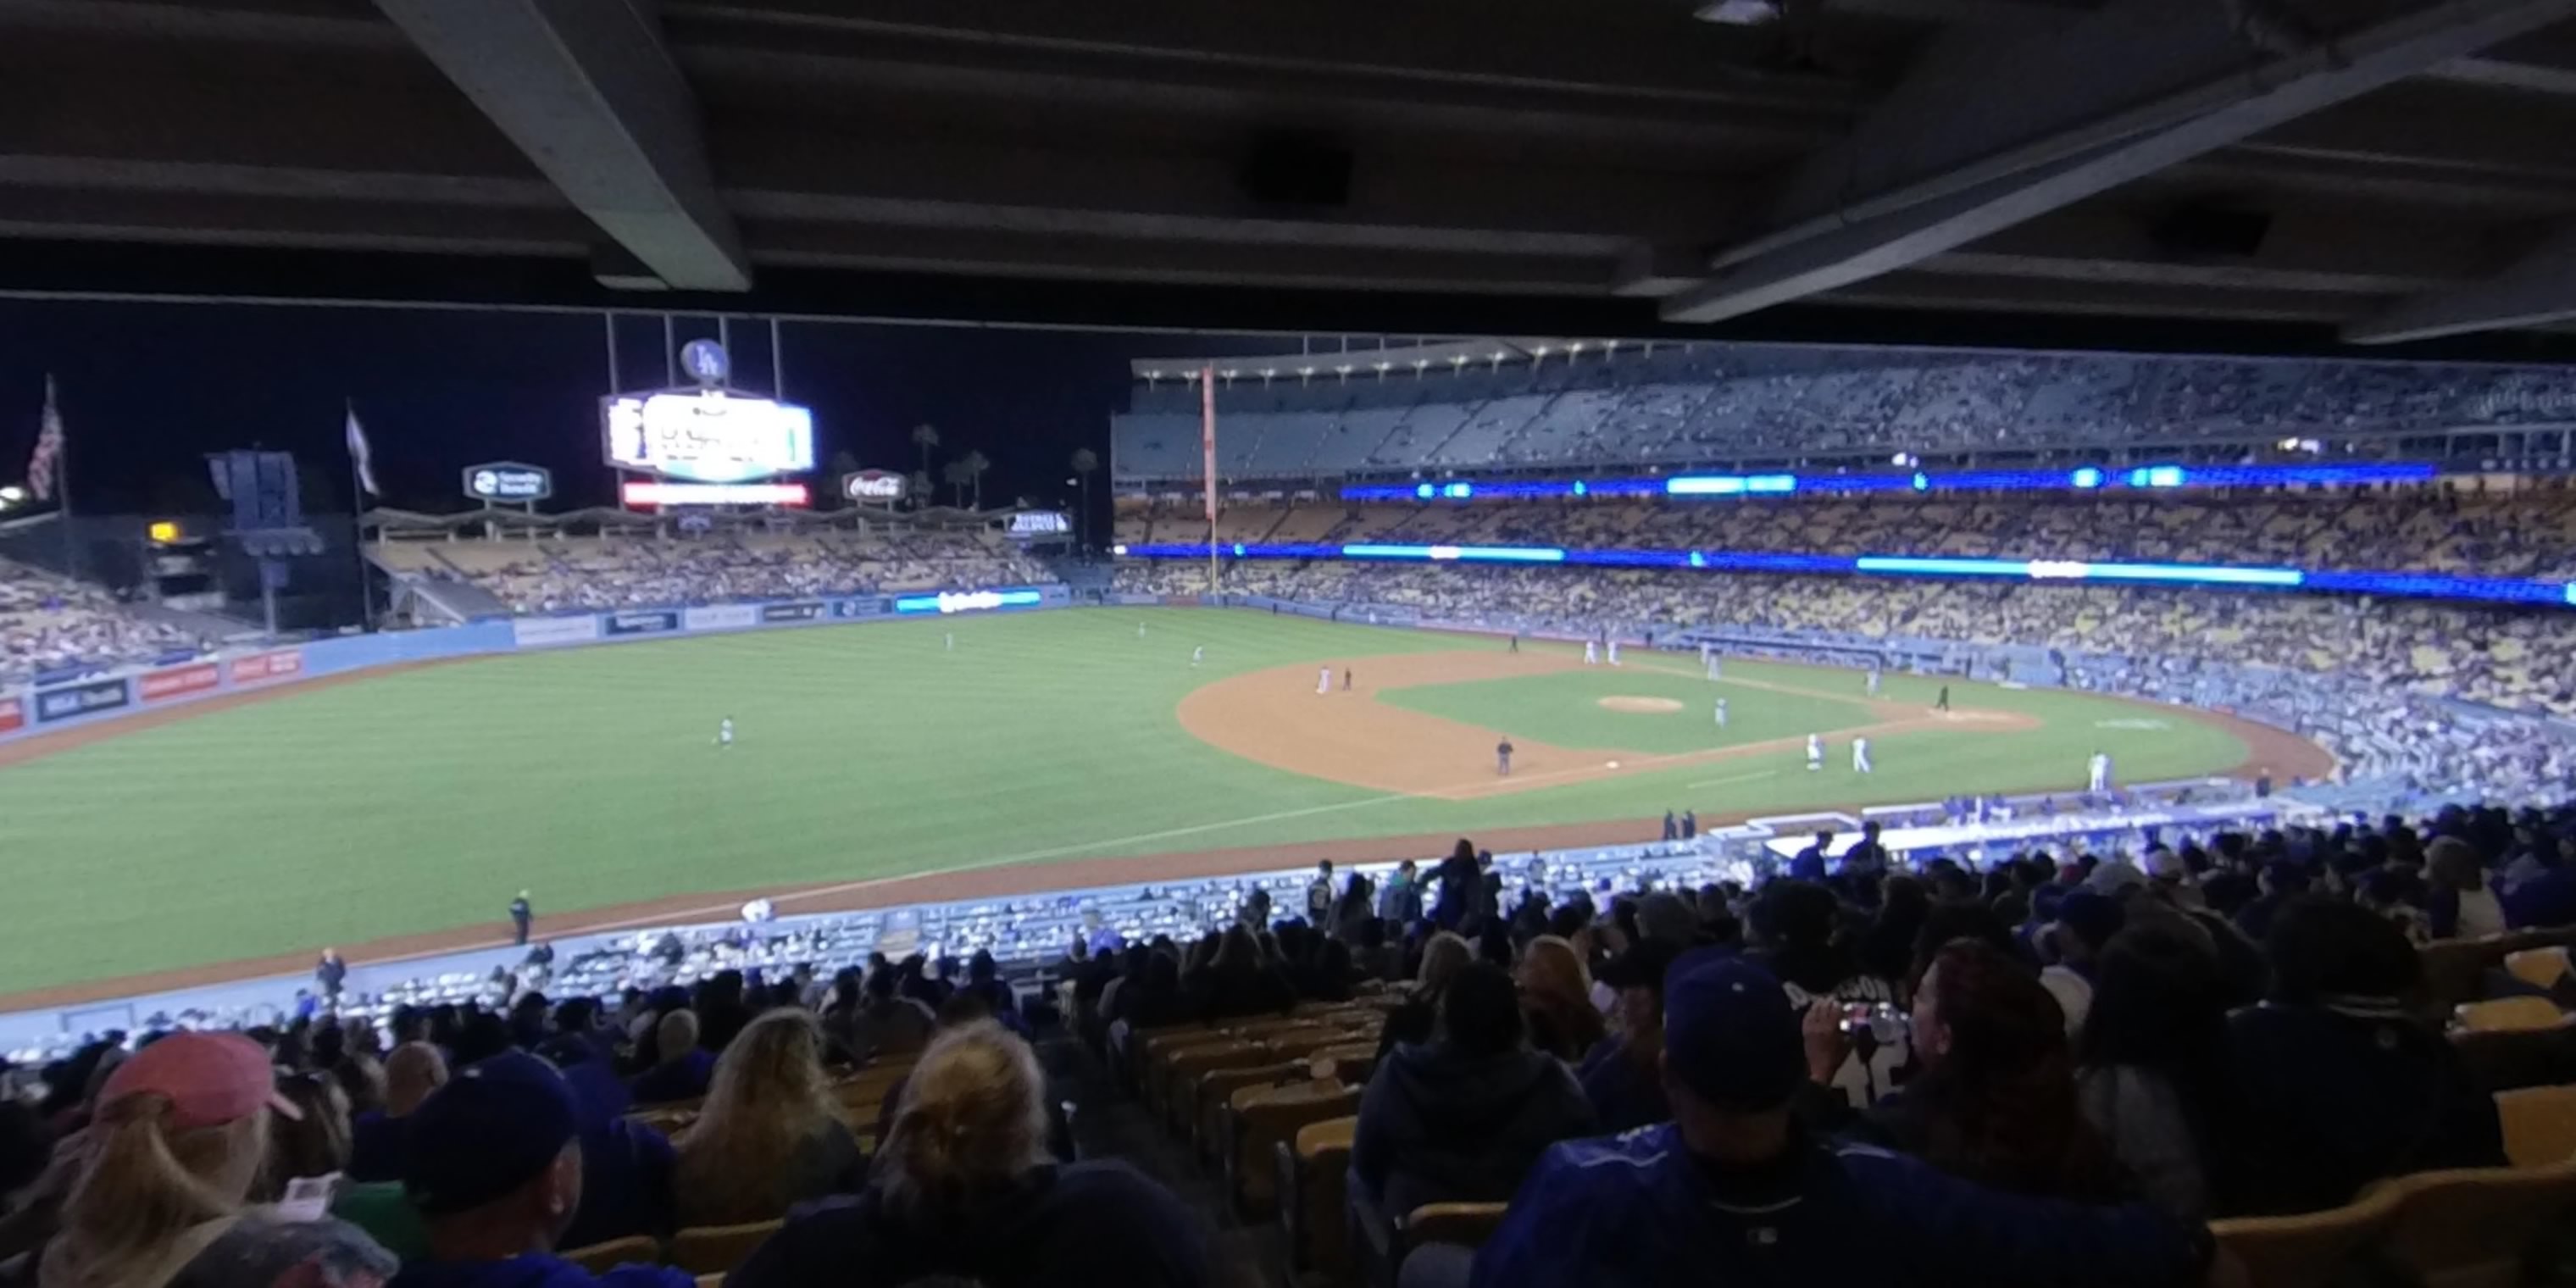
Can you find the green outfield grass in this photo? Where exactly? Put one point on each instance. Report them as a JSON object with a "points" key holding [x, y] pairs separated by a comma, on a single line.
{"points": [[421, 800]]}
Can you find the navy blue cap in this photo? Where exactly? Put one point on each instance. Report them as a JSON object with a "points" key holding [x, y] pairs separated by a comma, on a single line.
{"points": [[1730, 1035], [491, 1129]]}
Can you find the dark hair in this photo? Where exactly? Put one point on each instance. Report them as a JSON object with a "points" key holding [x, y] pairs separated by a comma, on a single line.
{"points": [[1480, 1010], [2000, 1107], [1949, 922], [1794, 913], [2322, 947]]}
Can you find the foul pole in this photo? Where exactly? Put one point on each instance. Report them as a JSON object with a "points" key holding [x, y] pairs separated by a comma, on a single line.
{"points": [[1207, 459]]}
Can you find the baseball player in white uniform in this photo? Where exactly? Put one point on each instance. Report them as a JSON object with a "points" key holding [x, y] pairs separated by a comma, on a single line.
{"points": [[1872, 686], [1614, 652], [1198, 655], [724, 733], [1721, 713], [951, 637], [1324, 680], [1815, 752], [2098, 772], [1591, 653], [1714, 668], [1140, 630], [1860, 755]]}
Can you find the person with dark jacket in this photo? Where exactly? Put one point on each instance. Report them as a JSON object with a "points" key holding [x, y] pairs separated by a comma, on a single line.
{"points": [[1239, 983], [1623, 1078], [1733, 1192], [1461, 880], [496, 1169], [2341, 1086], [1459, 1119]]}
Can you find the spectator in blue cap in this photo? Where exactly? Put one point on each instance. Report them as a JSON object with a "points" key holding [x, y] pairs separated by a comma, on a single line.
{"points": [[1731, 1191], [495, 1167]]}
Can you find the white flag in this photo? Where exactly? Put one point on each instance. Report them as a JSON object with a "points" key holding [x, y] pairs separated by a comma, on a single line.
{"points": [[43, 463], [359, 456]]}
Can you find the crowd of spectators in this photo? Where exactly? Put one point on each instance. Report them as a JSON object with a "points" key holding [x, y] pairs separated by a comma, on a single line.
{"points": [[1721, 402], [53, 624], [565, 574], [2058, 1068]]}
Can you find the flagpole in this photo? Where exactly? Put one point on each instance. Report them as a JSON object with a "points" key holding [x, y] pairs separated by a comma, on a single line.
{"points": [[63, 483], [357, 514]]}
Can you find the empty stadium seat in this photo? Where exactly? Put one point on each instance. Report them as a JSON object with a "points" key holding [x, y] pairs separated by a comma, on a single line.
{"points": [[717, 1249], [2509, 1014], [1262, 1117], [2538, 967], [2473, 1228], [2311, 1250], [1313, 1182], [2539, 1125]]}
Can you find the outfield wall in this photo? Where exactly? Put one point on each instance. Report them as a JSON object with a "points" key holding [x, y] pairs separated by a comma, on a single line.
{"points": [[115, 695]]}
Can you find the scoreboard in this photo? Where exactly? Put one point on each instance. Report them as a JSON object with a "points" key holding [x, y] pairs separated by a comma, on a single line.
{"points": [[708, 436]]}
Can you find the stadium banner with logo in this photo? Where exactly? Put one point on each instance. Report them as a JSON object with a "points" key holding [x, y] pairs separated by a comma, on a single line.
{"points": [[261, 667], [13, 714], [884, 487], [509, 482], [82, 699], [791, 612], [178, 681], [539, 632], [639, 623], [858, 608], [720, 617]]}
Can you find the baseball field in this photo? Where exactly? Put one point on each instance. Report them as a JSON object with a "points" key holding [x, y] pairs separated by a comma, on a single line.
{"points": [[398, 811]]}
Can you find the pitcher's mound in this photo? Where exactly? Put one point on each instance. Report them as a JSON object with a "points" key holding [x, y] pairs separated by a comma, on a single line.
{"points": [[1641, 706]]}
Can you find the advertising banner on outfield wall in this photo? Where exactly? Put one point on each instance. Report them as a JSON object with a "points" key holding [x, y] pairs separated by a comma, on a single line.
{"points": [[178, 681], [858, 608], [259, 668], [639, 623], [81, 699], [537, 632], [13, 715], [721, 617], [790, 612]]}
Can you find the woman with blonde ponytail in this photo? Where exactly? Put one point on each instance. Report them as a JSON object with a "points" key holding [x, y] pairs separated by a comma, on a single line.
{"points": [[963, 1186], [170, 1158]]}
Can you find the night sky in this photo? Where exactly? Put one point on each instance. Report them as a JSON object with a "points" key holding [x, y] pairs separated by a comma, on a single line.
{"points": [[146, 389]]}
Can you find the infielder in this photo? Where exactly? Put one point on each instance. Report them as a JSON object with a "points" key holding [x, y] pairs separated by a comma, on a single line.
{"points": [[1503, 759], [1860, 755], [1324, 680], [724, 733], [1872, 686], [1815, 752], [1198, 655], [1721, 713], [1591, 654], [2098, 772], [1614, 652], [1713, 667]]}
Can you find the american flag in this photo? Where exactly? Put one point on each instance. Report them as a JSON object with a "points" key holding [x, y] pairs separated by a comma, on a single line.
{"points": [[49, 448]]}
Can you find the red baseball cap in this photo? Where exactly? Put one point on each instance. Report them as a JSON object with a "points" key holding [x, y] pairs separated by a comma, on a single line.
{"points": [[210, 1079]]}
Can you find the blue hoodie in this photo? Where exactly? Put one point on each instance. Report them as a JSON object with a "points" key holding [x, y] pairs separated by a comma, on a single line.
{"points": [[1641, 1211], [535, 1270]]}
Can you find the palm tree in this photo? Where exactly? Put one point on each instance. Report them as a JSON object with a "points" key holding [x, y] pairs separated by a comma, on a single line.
{"points": [[925, 437], [958, 474], [1085, 462], [976, 463]]}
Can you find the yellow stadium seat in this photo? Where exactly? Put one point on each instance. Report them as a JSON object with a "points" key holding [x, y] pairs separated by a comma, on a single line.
{"points": [[2539, 1125], [1181, 1087], [600, 1258], [2472, 1228], [1466, 1224], [1259, 1119], [1216, 1091], [716, 1249], [2538, 967], [1313, 1184], [2306, 1251], [2509, 1015]]}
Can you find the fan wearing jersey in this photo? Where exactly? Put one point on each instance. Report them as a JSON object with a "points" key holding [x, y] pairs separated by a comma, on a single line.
{"points": [[1794, 937]]}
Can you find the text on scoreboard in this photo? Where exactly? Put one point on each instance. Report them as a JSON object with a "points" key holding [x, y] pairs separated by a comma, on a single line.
{"points": [[708, 436]]}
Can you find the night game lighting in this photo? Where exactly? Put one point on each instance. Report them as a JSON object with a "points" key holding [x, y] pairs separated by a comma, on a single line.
{"points": [[2086, 478]]}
